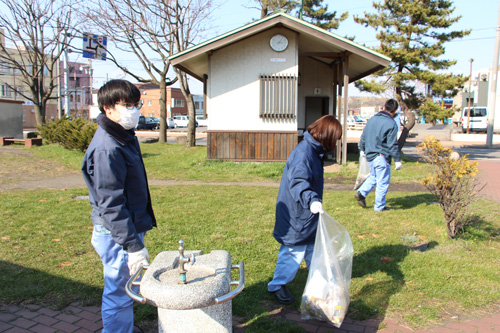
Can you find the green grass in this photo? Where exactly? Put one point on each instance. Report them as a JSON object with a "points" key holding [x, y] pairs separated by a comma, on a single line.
{"points": [[47, 257], [166, 161]]}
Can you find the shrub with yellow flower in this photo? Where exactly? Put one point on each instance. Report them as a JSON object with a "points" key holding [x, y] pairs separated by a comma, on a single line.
{"points": [[452, 182]]}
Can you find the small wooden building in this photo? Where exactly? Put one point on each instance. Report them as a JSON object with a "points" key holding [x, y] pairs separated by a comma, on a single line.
{"points": [[265, 82]]}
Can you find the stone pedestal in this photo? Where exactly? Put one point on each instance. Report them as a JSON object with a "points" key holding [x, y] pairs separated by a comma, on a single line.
{"points": [[217, 318], [190, 307]]}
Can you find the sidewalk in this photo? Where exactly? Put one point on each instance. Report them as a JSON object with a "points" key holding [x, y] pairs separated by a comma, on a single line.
{"points": [[84, 319]]}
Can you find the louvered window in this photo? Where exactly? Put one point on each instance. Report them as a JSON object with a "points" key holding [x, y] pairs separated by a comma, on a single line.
{"points": [[278, 96]]}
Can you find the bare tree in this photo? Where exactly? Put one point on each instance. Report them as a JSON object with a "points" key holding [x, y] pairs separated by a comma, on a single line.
{"points": [[33, 38], [186, 19], [150, 29]]}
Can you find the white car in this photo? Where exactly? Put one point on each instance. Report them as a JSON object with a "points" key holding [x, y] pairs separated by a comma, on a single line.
{"points": [[170, 123], [201, 121], [182, 121], [478, 119]]}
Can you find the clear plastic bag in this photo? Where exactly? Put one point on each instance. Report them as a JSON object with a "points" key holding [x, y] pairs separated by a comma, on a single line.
{"points": [[363, 173], [326, 295]]}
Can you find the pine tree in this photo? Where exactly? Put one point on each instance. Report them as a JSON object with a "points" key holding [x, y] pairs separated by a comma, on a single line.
{"points": [[413, 33], [319, 15], [314, 11], [270, 6]]}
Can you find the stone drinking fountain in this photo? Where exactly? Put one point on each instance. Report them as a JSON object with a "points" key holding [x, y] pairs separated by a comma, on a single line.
{"points": [[192, 294]]}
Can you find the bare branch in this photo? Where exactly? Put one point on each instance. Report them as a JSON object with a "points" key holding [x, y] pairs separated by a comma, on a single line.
{"points": [[152, 30], [33, 32]]}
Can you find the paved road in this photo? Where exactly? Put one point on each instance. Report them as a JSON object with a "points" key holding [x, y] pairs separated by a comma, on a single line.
{"points": [[476, 151], [173, 134]]}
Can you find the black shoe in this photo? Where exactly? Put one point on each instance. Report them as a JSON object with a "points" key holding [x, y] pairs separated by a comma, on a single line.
{"points": [[360, 199], [386, 208], [283, 295], [137, 329]]}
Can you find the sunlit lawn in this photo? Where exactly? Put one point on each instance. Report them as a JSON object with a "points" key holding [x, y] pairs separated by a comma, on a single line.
{"points": [[47, 258]]}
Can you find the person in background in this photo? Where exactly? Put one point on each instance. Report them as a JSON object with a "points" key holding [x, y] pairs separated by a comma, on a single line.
{"points": [[379, 141], [300, 203], [397, 119], [114, 172]]}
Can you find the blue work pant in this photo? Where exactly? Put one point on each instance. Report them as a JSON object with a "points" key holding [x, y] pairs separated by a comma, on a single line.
{"points": [[289, 260], [117, 308], [380, 176]]}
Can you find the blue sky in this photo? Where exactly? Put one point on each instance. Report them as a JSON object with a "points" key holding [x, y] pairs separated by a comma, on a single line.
{"points": [[479, 15]]}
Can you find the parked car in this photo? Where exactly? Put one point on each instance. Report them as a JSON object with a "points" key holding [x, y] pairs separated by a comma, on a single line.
{"points": [[351, 121], [201, 121], [478, 119], [171, 123], [155, 120], [360, 120], [146, 123], [182, 121]]}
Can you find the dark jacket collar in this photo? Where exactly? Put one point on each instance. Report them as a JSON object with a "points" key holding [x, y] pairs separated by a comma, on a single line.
{"points": [[385, 113], [318, 147], [115, 130]]}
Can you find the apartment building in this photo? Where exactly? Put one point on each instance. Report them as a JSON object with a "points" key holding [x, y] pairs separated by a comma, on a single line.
{"points": [[79, 90], [176, 103], [13, 88], [11, 78]]}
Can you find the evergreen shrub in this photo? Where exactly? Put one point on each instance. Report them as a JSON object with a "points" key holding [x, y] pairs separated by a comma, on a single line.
{"points": [[74, 134]]}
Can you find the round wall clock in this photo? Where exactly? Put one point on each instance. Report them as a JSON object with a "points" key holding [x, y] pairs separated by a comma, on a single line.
{"points": [[279, 43]]}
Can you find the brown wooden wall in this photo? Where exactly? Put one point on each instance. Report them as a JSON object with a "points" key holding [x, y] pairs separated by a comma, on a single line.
{"points": [[250, 145]]}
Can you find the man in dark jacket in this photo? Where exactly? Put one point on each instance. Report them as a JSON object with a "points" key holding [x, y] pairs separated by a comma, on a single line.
{"points": [[300, 203], [379, 142], [118, 193]]}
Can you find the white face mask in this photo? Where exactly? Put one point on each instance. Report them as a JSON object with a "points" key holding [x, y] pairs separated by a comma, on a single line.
{"points": [[129, 118]]}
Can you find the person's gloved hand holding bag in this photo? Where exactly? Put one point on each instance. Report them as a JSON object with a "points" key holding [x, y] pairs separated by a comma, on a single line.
{"points": [[137, 259], [316, 207]]}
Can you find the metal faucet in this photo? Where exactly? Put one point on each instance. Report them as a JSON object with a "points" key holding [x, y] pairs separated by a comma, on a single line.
{"points": [[182, 261]]}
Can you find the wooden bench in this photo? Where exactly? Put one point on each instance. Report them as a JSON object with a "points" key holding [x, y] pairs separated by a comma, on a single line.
{"points": [[8, 140]]}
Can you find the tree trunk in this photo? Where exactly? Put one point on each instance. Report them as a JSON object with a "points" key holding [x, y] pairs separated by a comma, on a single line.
{"points": [[191, 130], [39, 115], [163, 112]]}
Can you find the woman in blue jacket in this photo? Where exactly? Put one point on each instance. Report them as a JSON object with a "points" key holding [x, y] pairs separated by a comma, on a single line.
{"points": [[300, 203]]}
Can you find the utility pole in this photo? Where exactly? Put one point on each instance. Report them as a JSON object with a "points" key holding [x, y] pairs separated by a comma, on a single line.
{"points": [[59, 102], [66, 77], [468, 102], [492, 96]]}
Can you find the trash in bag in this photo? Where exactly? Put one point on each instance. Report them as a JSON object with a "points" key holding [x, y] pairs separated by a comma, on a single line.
{"points": [[326, 295], [363, 173]]}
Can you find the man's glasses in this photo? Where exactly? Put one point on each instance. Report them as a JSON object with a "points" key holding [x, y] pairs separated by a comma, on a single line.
{"points": [[130, 106]]}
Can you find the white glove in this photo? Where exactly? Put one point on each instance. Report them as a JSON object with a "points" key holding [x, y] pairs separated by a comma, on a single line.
{"points": [[398, 165], [137, 259], [361, 153], [316, 207]]}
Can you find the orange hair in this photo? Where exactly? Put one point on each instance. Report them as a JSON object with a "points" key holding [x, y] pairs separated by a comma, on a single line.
{"points": [[326, 130]]}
